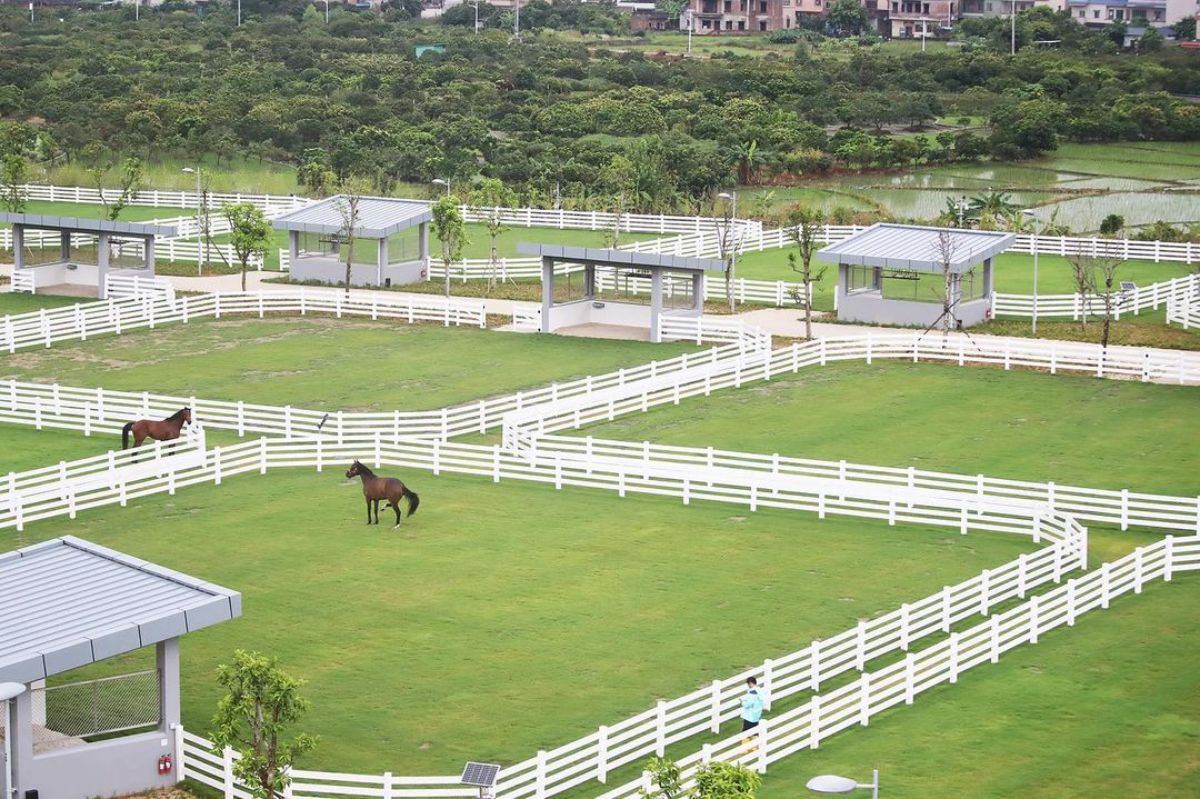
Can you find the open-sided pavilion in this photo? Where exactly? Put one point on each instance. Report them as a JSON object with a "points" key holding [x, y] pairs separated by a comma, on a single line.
{"points": [[896, 274], [391, 240], [66, 603], [611, 288], [70, 255]]}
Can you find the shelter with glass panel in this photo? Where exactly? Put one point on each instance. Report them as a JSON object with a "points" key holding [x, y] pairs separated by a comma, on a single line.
{"points": [[67, 604], [390, 241], [618, 288], [73, 256], [900, 274]]}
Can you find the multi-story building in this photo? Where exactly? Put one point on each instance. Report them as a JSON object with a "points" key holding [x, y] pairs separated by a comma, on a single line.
{"points": [[1135, 13], [910, 19]]}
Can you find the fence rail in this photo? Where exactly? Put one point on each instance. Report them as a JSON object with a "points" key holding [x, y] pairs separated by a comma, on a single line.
{"points": [[1077, 306], [1184, 311]]}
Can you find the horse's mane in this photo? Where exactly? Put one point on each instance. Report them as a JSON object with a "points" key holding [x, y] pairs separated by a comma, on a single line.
{"points": [[365, 469], [177, 414]]}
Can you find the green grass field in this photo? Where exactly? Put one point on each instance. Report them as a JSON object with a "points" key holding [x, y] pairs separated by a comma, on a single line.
{"points": [[1108, 708], [1019, 425], [14, 303], [335, 364], [23, 448], [504, 618]]}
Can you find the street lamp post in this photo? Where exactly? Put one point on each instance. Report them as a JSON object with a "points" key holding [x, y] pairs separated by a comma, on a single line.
{"points": [[1012, 50], [732, 197], [442, 182], [8, 692], [199, 224], [326, 12], [1031, 215], [831, 783]]}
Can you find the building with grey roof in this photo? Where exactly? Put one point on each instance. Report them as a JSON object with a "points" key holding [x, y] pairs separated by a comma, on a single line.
{"points": [[68, 603], [897, 274], [607, 287], [74, 256], [390, 240]]}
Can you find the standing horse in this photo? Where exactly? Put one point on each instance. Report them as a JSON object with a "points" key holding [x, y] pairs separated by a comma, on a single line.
{"points": [[166, 430], [377, 489]]}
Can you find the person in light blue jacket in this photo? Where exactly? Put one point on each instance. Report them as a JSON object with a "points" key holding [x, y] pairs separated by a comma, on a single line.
{"points": [[752, 705]]}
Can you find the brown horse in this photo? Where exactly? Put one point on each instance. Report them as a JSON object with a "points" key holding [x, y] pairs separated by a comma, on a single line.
{"points": [[166, 430], [388, 489]]}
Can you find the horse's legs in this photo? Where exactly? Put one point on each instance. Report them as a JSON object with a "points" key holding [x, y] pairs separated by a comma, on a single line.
{"points": [[368, 511], [395, 503], [137, 442]]}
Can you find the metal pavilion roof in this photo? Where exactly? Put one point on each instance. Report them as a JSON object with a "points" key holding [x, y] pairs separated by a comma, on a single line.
{"points": [[916, 248], [605, 257], [377, 217], [89, 226], [67, 602]]}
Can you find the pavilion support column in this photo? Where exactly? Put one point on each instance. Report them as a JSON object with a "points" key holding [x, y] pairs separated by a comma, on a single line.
{"points": [[167, 661], [293, 247], [698, 292], [65, 250], [381, 260], [547, 292], [589, 281], [423, 244], [19, 724], [987, 279], [102, 266], [148, 248], [18, 242], [656, 301]]}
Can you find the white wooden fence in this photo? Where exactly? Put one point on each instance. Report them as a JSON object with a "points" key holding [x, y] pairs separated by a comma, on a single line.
{"points": [[1185, 311], [1134, 301], [119, 287], [157, 198]]}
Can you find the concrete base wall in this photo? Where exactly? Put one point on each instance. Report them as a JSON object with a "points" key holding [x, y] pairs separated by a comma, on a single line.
{"points": [[583, 312], [108, 768], [332, 271], [872, 308]]}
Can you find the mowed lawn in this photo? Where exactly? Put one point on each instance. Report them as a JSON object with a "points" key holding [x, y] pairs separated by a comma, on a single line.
{"points": [[1013, 273], [1108, 708], [23, 448], [328, 363], [19, 302], [504, 618], [1019, 425]]}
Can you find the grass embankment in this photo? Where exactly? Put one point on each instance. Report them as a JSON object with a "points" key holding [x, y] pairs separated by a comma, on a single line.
{"points": [[321, 362], [1019, 425]]}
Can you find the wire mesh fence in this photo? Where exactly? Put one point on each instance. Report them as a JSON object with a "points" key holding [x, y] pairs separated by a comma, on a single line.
{"points": [[107, 705]]}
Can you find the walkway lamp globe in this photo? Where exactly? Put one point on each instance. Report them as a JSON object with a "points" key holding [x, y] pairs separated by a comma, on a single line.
{"points": [[1028, 213], [9, 691], [834, 784], [442, 182]]}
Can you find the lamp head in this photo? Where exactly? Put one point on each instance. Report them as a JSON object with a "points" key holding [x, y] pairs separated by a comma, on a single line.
{"points": [[188, 170], [831, 783], [10, 690]]}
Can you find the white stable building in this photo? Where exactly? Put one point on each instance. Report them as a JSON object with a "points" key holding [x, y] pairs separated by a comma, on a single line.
{"points": [[67, 603], [75, 257], [602, 288], [895, 274], [390, 239]]}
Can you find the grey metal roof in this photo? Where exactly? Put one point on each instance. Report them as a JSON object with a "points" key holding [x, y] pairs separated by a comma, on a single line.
{"points": [[378, 217], [79, 225], [916, 247], [597, 255], [68, 602]]}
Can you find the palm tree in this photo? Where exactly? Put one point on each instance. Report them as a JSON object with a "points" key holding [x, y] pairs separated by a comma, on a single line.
{"points": [[749, 160]]}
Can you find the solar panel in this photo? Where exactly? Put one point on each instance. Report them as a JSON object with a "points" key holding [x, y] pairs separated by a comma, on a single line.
{"points": [[1128, 285], [480, 774]]}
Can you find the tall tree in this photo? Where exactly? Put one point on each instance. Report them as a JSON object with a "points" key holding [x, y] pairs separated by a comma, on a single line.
{"points": [[14, 174], [451, 233], [804, 229], [945, 247], [348, 204], [261, 703], [489, 200], [249, 233], [1083, 275], [130, 180]]}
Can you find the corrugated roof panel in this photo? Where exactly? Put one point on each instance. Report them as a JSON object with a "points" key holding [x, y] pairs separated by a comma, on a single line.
{"points": [[916, 247], [598, 255], [377, 217], [67, 602], [90, 226]]}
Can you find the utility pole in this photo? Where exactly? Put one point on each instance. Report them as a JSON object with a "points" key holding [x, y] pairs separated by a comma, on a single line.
{"points": [[517, 20], [1013, 46]]}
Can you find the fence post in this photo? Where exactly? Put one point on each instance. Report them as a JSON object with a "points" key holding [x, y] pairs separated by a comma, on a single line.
{"points": [[660, 728], [388, 786], [602, 754], [1168, 558], [763, 740], [715, 721], [814, 718], [180, 756], [227, 772], [540, 775]]}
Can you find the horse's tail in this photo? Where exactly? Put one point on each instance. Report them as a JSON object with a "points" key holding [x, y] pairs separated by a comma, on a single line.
{"points": [[125, 431], [413, 500]]}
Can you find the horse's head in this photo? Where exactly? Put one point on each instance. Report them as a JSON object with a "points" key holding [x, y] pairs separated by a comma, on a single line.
{"points": [[355, 470], [187, 415]]}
